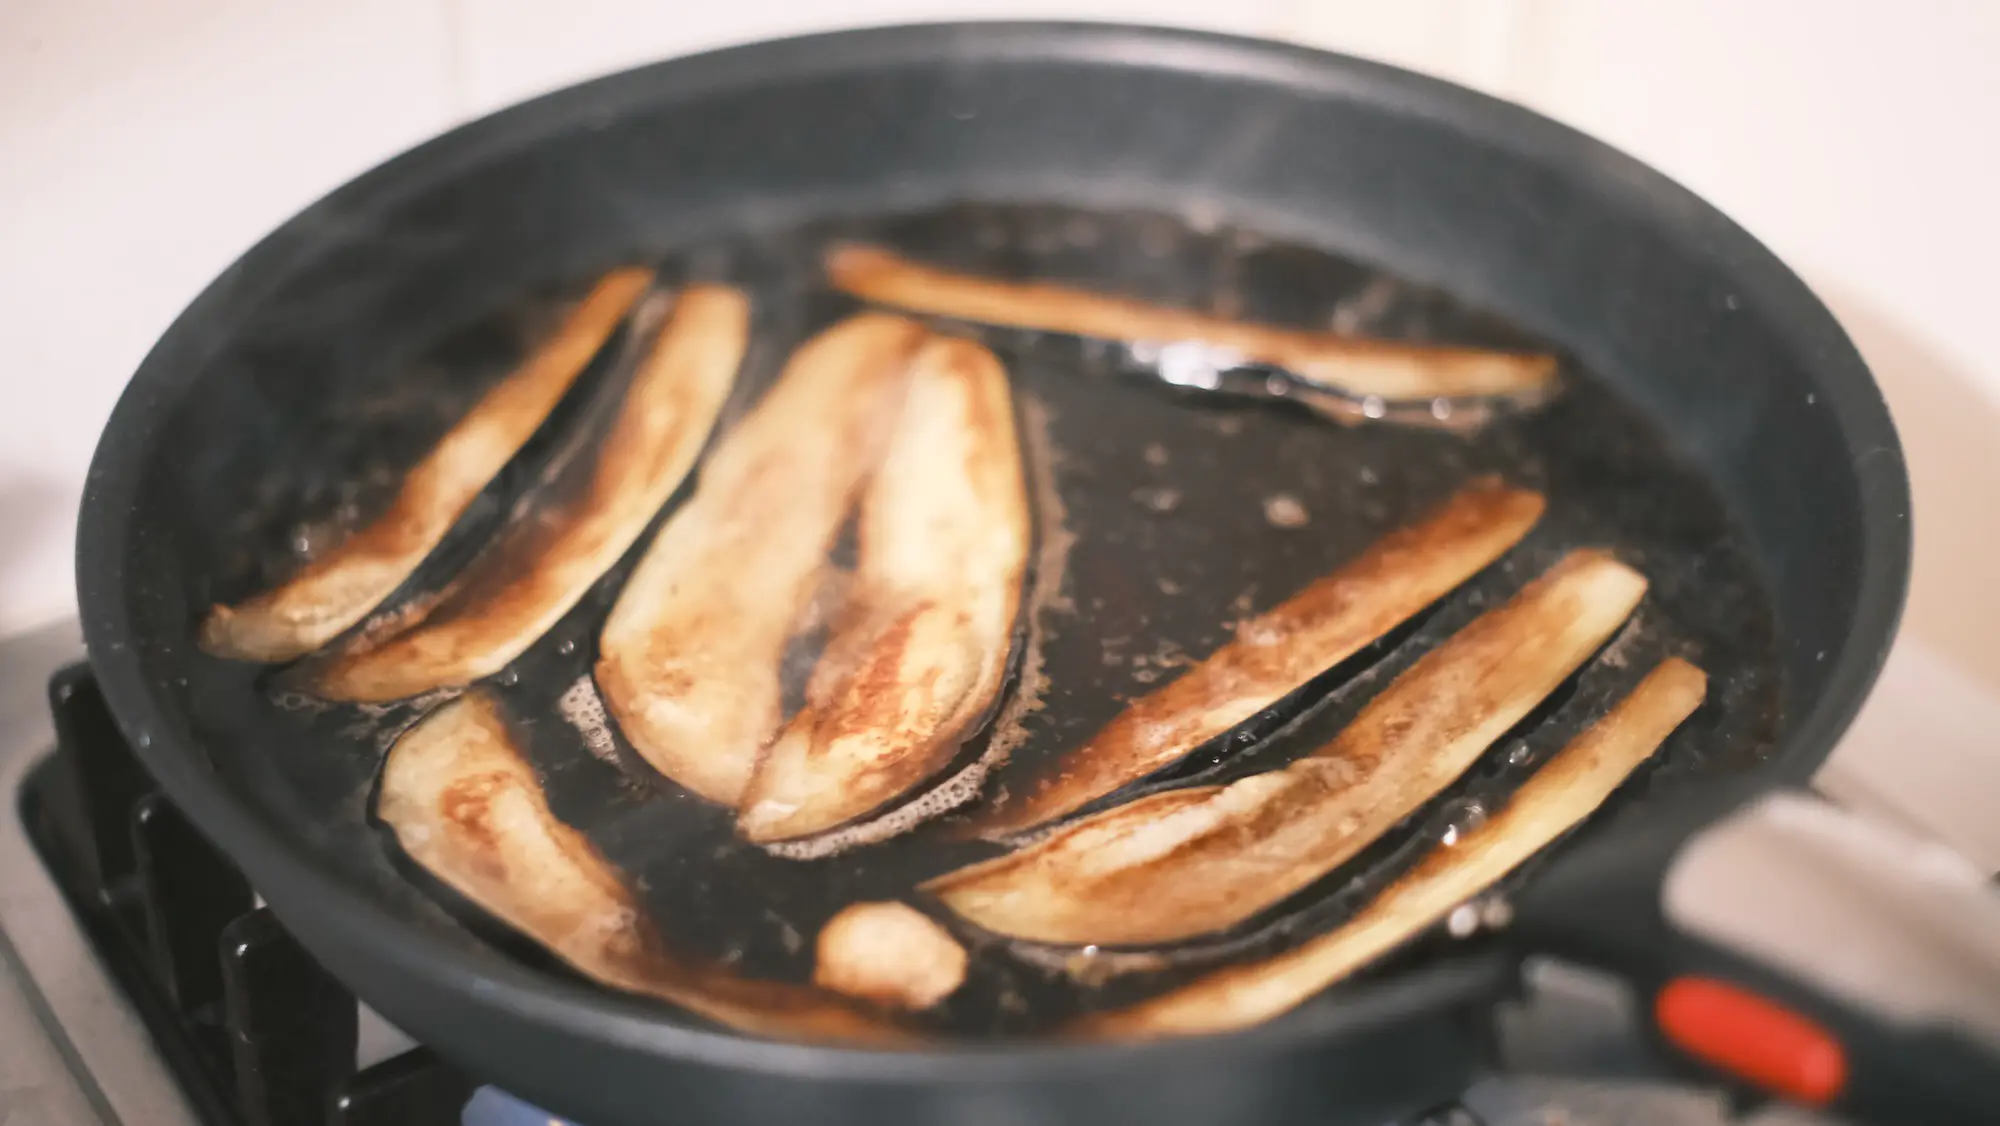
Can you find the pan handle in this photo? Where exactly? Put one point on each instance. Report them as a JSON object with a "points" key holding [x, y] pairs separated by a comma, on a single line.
{"points": [[1791, 949]]}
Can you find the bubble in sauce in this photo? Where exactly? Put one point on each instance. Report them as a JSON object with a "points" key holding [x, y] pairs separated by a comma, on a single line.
{"points": [[1463, 921], [1283, 510], [1160, 500], [1461, 818]]}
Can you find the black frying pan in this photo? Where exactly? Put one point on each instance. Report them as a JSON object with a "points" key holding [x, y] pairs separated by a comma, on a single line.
{"points": [[1716, 422]]}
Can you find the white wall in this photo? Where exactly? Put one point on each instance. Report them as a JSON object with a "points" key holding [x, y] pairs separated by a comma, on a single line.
{"points": [[144, 143]]}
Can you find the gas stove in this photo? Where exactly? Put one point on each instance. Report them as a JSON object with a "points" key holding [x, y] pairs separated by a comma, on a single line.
{"points": [[143, 983]]}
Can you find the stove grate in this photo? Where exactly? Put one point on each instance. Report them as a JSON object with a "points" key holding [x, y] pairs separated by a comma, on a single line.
{"points": [[253, 1029]]}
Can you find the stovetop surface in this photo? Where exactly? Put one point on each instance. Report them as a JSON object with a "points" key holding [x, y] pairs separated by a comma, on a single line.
{"points": [[75, 1051], [78, 1053]]}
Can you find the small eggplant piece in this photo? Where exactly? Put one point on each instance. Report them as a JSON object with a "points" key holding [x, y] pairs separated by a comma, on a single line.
{"points": [[466, 806], [1280, 650], [1390, 370], [1555, 800], [689, 657], [888, 954], [922, 650], [340, 587], [516, 590], [1191, 861]]}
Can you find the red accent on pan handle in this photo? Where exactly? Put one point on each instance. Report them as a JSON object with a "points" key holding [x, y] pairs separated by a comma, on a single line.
{"points": [[1753, 1038]]}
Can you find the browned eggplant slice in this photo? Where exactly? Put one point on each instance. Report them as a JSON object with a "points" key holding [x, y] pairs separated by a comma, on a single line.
{"points": [[466, 806], [923, 646], [889, 954], [340, 587], [513, 594], [689, 657], [1556, 799], [1362, 368], [1280, 650], [1191, 861]]}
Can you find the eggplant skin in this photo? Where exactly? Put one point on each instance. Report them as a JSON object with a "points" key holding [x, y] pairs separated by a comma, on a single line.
{"points": [[1360, 368], [548, 560], [466, 805], [338, 589], [1197, 860], [1280, 650], [689, 657], [1557, 798], [923, 650]]}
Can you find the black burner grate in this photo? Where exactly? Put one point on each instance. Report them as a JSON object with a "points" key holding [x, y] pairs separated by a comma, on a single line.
{"points": [[254, 1030]]}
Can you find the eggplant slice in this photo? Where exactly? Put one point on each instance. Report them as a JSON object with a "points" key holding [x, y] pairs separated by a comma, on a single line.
{"points": [[523, 585], [1279, 651], [1555, 800], [889, 954], [1388, 370], [689, 658], [339, 588], [466, 805], [923, 647], [1192, 861]]}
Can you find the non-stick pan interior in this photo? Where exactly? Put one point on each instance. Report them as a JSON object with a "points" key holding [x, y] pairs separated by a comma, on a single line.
{"points": [[1164, 519], [1719, 431]]}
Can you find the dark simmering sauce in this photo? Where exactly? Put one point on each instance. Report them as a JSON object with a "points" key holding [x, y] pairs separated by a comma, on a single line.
{"points": [[1162, 518]]}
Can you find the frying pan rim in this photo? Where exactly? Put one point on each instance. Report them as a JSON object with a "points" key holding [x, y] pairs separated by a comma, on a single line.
{"points": [[276, 864]]}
